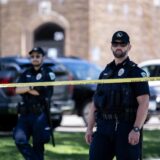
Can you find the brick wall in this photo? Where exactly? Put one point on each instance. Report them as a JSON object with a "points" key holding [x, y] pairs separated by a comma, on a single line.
{"points": [[138, 18], [88, 25]]}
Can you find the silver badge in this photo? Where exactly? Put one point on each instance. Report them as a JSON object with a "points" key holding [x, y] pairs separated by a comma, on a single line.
{"points": [[119, 34], [39, 76], [52, 75], [121, 72]]}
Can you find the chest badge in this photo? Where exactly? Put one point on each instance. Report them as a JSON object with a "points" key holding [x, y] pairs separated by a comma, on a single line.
{"points": [[121, 72], [38, 76]]}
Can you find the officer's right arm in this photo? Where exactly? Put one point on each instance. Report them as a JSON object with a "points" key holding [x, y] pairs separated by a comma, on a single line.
{"points": [[91, 123], [21, 90]]}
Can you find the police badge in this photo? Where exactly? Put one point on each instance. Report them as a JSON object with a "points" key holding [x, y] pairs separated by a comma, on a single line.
{"points": [[121, 72], [38, 76]]}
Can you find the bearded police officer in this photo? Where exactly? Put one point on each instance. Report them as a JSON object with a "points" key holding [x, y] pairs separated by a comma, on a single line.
{"points": [[119, 109], [33, 119]]}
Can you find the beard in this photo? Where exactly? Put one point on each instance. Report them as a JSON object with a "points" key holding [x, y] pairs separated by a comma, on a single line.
{"points": [[36, 64], [119, 54]]}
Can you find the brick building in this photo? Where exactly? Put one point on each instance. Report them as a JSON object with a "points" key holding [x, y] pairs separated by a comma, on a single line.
{"points": [[79, 27]]}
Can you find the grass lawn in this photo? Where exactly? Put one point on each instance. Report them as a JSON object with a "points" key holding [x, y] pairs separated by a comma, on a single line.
{"points": [[71, 146], [151, 144]]}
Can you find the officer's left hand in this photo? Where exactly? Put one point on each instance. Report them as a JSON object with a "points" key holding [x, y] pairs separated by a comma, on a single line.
{"points": [[88, 137], [133, 137]]}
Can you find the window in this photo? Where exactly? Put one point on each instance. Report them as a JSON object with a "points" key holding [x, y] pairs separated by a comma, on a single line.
{"points": [[152, 70]]}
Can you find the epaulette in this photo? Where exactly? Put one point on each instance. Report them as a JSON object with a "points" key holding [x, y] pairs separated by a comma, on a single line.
{"points": [[132, 64]]}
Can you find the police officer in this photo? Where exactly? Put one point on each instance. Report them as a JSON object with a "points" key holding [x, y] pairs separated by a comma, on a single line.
{"points": [[33, 119], [119, 109]]}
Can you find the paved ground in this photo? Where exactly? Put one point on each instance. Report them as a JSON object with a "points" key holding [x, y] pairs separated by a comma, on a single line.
{"points": [[154, 123], [73, 123]]}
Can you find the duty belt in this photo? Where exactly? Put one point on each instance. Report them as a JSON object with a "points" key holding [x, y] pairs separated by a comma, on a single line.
{"points": [[120, 117], [109, 116], [35, 109]]}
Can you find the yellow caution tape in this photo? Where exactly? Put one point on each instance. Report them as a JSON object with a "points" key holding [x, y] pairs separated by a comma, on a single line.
{"points": [[81, 82]]}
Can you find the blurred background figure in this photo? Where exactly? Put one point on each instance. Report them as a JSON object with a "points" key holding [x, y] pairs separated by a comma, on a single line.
{"points": [[33, 120]]}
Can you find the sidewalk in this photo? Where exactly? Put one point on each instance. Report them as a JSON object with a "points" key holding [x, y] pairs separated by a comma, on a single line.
{"points": [[153, 123], [73, 123]]}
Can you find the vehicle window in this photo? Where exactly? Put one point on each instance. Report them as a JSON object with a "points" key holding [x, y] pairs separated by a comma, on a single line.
{"points": [[152, 70], [84, 71], [24, 67]]}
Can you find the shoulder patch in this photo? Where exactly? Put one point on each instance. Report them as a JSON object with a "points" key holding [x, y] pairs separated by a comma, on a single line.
{"points": [[52, 75], [143, 74], [132, 64]]}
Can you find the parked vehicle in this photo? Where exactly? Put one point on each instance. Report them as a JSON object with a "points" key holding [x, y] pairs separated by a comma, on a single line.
{"points": [[8, 102], [82, 95], [152, 68], [10, 69]]}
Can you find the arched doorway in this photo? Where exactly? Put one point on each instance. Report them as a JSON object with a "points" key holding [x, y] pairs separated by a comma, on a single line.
{"points": [[51, 38]]}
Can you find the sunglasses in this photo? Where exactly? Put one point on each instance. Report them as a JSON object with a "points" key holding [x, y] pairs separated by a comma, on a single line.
{"points": [[33, 57], [121, 44]]}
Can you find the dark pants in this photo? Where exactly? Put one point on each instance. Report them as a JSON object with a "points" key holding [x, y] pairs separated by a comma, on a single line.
{"points": [[35, 126], [108, 142]]}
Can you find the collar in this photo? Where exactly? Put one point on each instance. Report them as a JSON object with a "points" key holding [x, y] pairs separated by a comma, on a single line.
{"points": [[122, 64], [36, 71]]}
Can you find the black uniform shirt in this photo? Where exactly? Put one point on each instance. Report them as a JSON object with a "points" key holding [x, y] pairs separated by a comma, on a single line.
{"points": [[120, 96], [119, 71], [44, 74]]}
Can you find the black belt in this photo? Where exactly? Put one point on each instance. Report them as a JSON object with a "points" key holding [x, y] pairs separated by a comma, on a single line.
{"points": [[35, 109], [110, 116], [119, 117]]}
